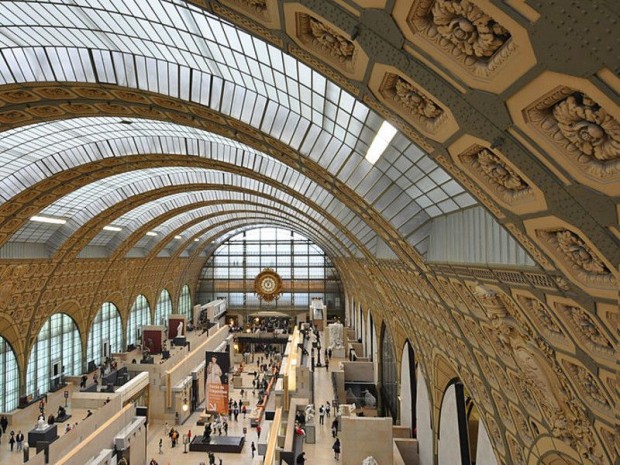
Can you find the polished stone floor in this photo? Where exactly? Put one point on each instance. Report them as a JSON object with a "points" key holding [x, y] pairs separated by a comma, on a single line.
{"points": [[319, 453]]}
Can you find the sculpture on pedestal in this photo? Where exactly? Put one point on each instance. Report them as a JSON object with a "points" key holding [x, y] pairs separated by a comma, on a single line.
{"points": [[370, 460], [180, 329], [41, 424], [336, 331], [369, 399]]}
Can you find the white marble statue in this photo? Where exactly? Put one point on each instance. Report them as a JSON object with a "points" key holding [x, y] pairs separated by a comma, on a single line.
{"points": [[369, 399], [336, 331], [346, 410], [309, 413], [41, 424], [370, 460], [180, 329]]}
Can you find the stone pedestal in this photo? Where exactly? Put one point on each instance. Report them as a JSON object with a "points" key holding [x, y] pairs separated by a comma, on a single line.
{"points": [[310, 433], [41, 438], [338, 352], [179, 341]]}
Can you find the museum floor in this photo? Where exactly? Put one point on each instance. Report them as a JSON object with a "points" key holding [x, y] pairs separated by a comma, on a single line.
{"points": [[316, 454]]}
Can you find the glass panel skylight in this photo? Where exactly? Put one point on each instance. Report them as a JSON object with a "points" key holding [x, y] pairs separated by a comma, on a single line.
{"points": [[176, 49]]}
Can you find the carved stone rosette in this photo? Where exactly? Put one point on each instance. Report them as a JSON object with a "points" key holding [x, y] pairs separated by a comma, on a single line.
{"points": [[581, 129], [468, 35], [493, 171], [589, 386], [412, 102], [578, 258], [325, 41]]}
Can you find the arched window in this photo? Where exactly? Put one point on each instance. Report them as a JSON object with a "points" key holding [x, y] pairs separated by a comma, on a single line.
{"points": [[139, 316], [57, 352], [389, 385], [185, 302], [9, 377], [163, 308], [106, 334]]}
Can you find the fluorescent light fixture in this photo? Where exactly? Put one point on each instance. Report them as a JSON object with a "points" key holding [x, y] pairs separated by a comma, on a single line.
{"points": [[178, 237], [112, 228], [47, 219], [151, 233], [380, 142]]}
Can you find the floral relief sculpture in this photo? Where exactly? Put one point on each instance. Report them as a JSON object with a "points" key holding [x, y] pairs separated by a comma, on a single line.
{"points": [[409, 97], [468, 28], [594, 132], [578, 252], [330, 41], [499, 172]]}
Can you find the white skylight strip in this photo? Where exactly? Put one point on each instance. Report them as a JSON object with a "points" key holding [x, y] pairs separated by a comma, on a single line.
{"points": [[151, 233], [47, 219], [112, 228], [380, 142]]}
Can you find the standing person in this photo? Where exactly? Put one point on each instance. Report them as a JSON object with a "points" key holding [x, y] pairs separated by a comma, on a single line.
{"points": [[328, 408], [189, 436], [161, 444], [336, 448], [258, 430], [244, 410], [4, 423], [301, 459], [335, 427], [321, 415], [19, 439], [12, 440], [327, 364], [253, 449]]}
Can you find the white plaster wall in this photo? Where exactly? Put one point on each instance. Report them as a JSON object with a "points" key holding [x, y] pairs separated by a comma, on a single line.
{"points": [[423, 421], [485, 454], [449, 442], [405, 390]]}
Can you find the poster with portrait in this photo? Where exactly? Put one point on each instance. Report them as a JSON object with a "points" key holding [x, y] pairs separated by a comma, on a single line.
{"points": [[216, 381]]}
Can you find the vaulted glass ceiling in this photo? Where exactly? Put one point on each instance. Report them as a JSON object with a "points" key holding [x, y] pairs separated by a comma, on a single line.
{"points": [[178, 50]]}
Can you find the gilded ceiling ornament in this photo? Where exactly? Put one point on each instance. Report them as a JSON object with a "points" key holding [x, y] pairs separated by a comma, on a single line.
{"points": [[589, 127], [589, 384], [468, 28], [541, 311], [411, 98], [330, 41], [499, 171], [578, 252], [587, 328]]}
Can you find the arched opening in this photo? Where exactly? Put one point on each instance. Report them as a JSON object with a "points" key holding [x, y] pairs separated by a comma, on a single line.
{"points": [[163, 308], [389, 379], [454, 445], [424, 421], [9, 377], [105, 336], [408, 388], [139, 316], [185, 303], [56, 353]]}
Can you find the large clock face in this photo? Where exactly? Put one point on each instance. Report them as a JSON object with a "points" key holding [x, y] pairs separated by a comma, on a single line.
{"points": [[268, 285]]}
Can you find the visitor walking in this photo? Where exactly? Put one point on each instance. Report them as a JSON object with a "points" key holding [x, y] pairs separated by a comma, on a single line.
{"points": [[336, 448], [4, 423], [253, 449], [321, 415], [161, 444], [301, 459], [328, 408], [258, 430], [12, 440], [19, 439]]}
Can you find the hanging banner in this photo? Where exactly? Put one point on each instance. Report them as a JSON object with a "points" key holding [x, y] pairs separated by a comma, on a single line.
{"points": [[216, 380]]}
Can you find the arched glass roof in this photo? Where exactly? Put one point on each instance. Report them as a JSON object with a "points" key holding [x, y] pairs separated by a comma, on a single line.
{"points": [[181, 51]]}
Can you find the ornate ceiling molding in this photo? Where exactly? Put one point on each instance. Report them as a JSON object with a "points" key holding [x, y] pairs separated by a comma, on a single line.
{"points": [[324, 40], [412, 103], [476, 41], [576, 124], [492, 169], [574, 254]]}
